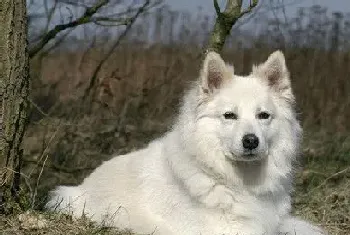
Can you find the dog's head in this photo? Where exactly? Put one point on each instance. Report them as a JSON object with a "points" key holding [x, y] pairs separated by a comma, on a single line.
{"points": [[236, 118]]}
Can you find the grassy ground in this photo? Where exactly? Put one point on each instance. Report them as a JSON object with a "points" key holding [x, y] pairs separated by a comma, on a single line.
{"points": [[323, 186], [321, 196], [134, 101], [38, 223]]}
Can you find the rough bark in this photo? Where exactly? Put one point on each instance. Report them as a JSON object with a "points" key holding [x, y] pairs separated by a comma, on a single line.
{"points": [[224, 22], [14, 89]]}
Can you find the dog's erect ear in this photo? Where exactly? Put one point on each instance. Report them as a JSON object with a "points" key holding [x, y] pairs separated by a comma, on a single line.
{"points": [[214, 72], [275, 72]]}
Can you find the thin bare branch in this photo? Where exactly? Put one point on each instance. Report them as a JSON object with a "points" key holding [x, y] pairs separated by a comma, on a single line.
{"points": [[253, 4], [49, 13], [217, 7], [84, 19], [58, 42], [115, 45], [106, 21]]}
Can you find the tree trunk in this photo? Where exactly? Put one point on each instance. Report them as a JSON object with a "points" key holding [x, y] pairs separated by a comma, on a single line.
{"points": [[14, 89], [224, 22]]}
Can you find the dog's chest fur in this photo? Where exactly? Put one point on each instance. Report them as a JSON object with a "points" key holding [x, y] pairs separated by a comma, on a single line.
{"points": [[207, 204]]}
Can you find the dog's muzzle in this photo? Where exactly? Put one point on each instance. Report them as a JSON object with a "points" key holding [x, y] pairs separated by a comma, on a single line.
{"points": [[250, 142]]}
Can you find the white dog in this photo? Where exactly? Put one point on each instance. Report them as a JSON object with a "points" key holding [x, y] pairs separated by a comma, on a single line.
{"points": [[226, 167]]}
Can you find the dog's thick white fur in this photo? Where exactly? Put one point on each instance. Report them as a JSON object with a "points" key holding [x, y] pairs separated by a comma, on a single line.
{"points": [[226, 167]]}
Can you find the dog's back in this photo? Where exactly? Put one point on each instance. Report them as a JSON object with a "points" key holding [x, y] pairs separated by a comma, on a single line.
{"points": [[114, 192]]}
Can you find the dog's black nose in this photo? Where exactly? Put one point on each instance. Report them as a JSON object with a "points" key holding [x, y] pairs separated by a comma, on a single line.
{"points": [[250, 141]]}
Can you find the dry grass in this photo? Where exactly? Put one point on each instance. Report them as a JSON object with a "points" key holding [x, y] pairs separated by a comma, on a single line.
{"points": [[322, 193], [35, 223]]}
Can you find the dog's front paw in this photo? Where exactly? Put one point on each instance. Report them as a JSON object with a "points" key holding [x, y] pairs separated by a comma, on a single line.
{"points": [[219, 197]]}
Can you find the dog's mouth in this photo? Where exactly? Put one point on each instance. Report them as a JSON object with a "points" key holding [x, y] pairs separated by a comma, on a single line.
{"points": [[249, 155], [245, 157]]}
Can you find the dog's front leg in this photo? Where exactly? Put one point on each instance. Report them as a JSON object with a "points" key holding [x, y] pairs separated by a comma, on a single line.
{"points": [[293, 226], [208, 192], [218, 196]]}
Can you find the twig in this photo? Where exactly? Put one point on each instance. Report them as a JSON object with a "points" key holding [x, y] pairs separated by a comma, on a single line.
{"points": [[332, 176], [42, 168], [217, 7], [253, 4], [114, 46], [47, 146], [37, 182], [38, 108], [263, 10], [49, 13], [327, 179], [58, 42], [85, 18]]}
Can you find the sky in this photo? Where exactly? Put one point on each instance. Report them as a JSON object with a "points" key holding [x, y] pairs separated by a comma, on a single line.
{"points": [[207, 5], [265, 8]]}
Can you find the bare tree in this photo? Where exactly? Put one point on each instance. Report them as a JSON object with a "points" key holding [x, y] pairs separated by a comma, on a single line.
{"points": [[14, 85], [93, 14], [225, 20]]}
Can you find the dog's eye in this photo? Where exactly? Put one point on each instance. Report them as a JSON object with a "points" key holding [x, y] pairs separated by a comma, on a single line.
{"points": [[230, 115], [264, 115]]}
